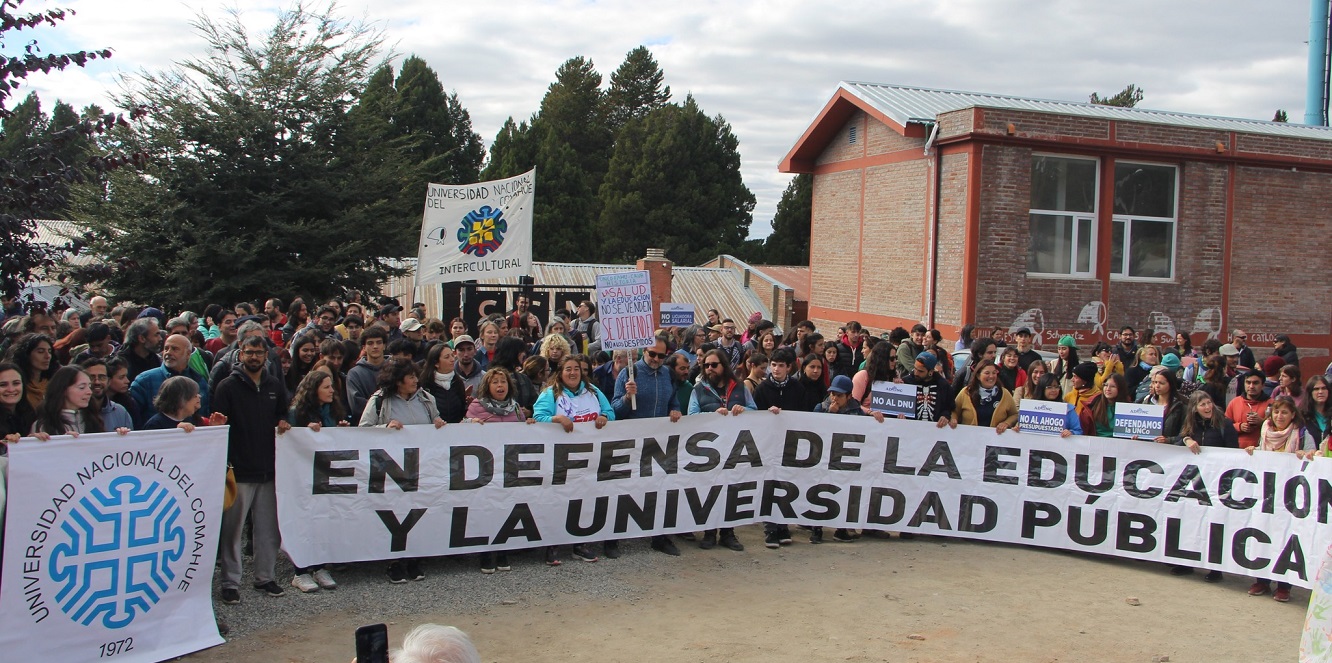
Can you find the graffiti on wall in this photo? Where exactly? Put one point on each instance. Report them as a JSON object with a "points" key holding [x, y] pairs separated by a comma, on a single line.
{"points": [[1091, 328]]}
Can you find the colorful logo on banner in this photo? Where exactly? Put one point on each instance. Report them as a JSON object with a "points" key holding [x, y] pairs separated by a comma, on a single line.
{"points": [[482, 231], [117, 552]]}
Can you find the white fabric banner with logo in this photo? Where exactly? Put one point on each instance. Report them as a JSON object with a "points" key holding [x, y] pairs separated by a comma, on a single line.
{"points": [[109, 546], [477, 231], [361, 494]]}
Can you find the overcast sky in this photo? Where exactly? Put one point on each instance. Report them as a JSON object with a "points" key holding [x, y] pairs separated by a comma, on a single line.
{"points": [[769, 66]]}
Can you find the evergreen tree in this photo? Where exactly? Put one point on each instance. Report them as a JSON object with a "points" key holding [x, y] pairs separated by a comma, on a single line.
{"points": [[256, 186], [1126, 98], [512, 153], [675, 183], [635, 89], [789, 242], [1280, 116]]}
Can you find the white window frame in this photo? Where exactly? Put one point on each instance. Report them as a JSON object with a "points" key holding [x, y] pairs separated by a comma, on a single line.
{"points": [[1093, 216], [1128, 220]]}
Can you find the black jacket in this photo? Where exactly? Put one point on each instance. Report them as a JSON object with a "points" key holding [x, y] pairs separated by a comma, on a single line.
{"points": [[790, 397], [935, 399], [253, 412], [1207, 435], [452, 402]]}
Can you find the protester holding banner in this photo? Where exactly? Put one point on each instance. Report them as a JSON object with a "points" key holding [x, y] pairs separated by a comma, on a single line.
{"points": [[441, 380], [66, 407], [985, 402], [315, 406], [934, 396], [1047, 389], [1205, 426], [400, 401], [17, 416], [1099, 417], [648, 393], [718, 391], [1317, 407], [1283, 431], [255, 405], [1249, 410], [177, 403]]}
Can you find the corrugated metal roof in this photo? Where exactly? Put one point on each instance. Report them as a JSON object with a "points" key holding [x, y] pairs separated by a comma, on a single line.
{"points": [[703, 287], [923, 105]]}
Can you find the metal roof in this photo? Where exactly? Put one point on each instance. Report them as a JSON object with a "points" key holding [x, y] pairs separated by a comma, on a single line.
{"points": [[906, 105], [703, 287]]}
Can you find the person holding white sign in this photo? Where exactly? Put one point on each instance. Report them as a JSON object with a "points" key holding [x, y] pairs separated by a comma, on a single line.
{"points": [[651, 384], [934, 396], [1165, 389], [1048, 389]]}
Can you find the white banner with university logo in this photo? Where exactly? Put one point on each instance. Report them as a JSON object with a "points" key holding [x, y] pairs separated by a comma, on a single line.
{"points": [[477, 231], [109, 546], [361, 494]]}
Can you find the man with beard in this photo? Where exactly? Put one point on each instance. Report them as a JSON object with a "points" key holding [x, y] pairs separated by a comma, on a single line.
{"points": [[719, 392], [255, 405], [728, 344], [114, 415], [650, 393]]}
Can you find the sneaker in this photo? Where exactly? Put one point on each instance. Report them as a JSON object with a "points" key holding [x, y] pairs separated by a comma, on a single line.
{"points": [[784, 535], [230, 595], [843, 536], [305, 582], [610, 550], [1181, 570], [709, 540], [270, 588], [583, 554], [502, 562], [728, 540], [324, 579], [1281, 595], [396, 573], [772, 540], [1213, 576], [487, 563], [1259, 588], [663, 544], [414, 570], [816, 535], [552, 556]]}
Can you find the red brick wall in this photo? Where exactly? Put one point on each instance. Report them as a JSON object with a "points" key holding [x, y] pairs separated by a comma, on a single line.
{"points": [[840, 149], [952, 240], [895, 234], [835, 240], [1031, 124], [1281, 240]]}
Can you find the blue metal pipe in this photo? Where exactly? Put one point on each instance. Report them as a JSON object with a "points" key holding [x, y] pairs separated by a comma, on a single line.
{"points": [[1316, 88]]}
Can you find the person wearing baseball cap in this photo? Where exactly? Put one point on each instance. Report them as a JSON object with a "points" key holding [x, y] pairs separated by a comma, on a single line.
{"points": [[840, 401], [465, 364], [1023, 342]]}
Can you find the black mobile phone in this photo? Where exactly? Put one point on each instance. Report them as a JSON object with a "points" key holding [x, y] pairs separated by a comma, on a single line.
{"points": [[372, 644]]}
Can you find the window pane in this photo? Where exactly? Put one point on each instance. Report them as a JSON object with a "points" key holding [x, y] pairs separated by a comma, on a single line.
{"points": [[1051, 244], [1152, 249], [1084, 245], [1117, 248], [1142, 190], [1063, 184]]}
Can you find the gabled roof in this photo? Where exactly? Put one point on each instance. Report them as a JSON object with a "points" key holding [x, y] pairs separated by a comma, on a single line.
{"points": [[910, 110]]}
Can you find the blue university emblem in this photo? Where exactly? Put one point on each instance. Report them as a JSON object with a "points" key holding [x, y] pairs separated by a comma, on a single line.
{"points": [[482, 231], [117, 552]]}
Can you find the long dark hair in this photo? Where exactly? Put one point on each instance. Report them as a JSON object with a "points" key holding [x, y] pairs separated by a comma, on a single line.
{"points": [[49, 417], [1048, 380], [1064, 369], [507, 353], [21, 355], [1194, 424], [299, 368], [880, 366], [1100, 407], [306, 401], [1310, 409]]}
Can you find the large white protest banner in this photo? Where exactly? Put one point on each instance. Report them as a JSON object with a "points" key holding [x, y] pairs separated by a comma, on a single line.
{"points": [[477, 231], [346, 495], [624, 302], [109, 546]]}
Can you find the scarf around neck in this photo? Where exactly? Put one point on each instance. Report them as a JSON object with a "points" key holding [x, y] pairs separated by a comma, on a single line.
{"points": [[498, 408]]}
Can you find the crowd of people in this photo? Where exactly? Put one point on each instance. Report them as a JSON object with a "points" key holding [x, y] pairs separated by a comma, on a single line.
{"points": [[264, 369]]}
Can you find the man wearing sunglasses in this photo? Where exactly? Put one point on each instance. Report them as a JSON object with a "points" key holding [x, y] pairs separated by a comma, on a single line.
{"points": [[1240, 339], [651, 384]]}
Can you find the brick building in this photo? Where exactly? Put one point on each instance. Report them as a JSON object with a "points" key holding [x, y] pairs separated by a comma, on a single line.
{"points": [[953, 208]]}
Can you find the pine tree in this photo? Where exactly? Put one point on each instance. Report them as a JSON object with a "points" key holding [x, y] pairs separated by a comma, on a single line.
{"points": [[1126, 98], [512, 153], [789, 242], [675, 183], [635, 89]]}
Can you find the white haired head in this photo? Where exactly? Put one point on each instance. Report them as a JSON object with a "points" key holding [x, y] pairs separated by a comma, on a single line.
{"points": [[432, 643]]}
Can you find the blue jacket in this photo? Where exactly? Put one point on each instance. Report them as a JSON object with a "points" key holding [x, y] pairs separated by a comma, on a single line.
{"points": [[147, 384], [656, 393], [544, 409]]}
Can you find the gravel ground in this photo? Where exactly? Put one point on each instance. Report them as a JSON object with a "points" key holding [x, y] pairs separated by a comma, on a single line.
{"points": [[452, 585]]}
